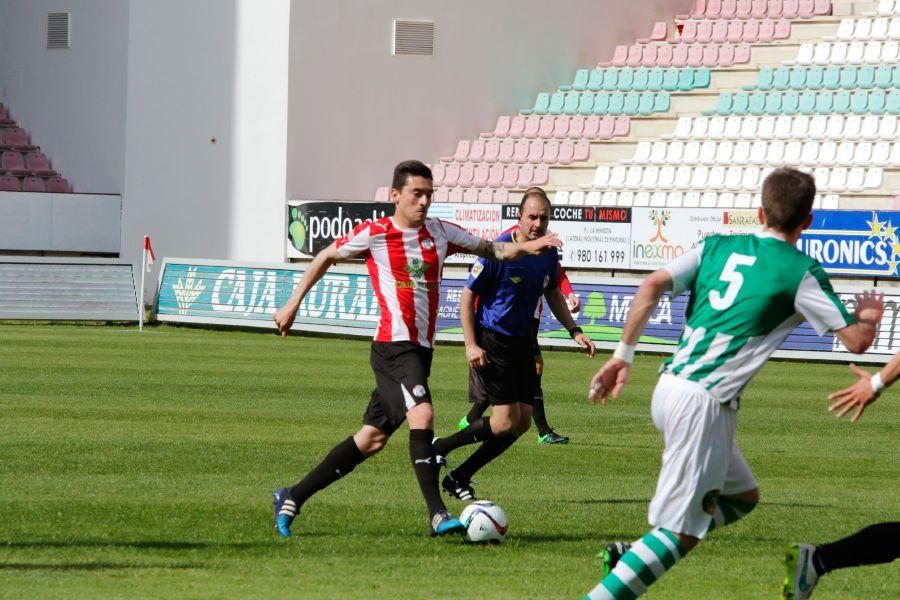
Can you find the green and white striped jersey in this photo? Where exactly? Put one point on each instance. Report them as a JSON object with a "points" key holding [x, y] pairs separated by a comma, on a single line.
{"points": [[748, 292]]}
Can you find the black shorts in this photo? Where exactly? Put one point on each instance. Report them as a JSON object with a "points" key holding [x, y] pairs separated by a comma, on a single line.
{"points": [[535, 327], [401, 382], [509, 376]]}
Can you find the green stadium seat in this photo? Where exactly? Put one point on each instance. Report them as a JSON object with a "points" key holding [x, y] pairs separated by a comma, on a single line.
{"points": [[807, 103], [601, 103], [570, 107], [790, 103], [626, 79], [740, 103], [542, 104], [859, 102], [611, 80], [798, 78], [865, 77], [848, 78], [631, 105], [616, 103], [831, 80], [814, 77], [841, 102], [582, 76], [824, 102], [892, 105], [702, 77], [896, 77], [723, 105], [877, 102], [757, 104], [645, 104], [670, 79], [884, 76], [595, 83], [781, 78], [773, 103], [655, 79], [662, 102], [764, 81], [586, 104], [686, 79], [557, 102], [640, 80]]}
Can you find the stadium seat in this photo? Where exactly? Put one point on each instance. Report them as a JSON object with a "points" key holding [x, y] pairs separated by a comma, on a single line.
{"points": [[12, 163], [34, 184], [481, 175], [8, 183], [440, 194], [466, 175]]}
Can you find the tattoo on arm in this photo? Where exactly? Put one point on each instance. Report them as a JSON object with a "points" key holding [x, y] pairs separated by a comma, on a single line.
{"points": [[498, 251]]}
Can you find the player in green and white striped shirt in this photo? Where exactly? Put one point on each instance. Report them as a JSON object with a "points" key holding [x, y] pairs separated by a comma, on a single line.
{"points": [[747, 293]]}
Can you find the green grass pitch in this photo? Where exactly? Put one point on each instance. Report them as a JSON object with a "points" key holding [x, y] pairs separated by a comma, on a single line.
{"points": [[141, 465]]}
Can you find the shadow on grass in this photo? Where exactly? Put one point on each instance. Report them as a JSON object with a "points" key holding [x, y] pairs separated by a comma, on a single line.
{"points": [[94, 566], [554, 538], [150, 545]]}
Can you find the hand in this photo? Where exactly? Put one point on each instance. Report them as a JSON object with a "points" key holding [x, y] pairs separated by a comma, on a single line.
{"points": [[574, 302], [610, 379], [476, 356], [858, 395], [284, 318], [869, 307], [586, 343], [551, 240]]}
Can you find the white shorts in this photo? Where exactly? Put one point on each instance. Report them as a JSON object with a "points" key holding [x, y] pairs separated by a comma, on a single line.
{"points": [[701, 459]]}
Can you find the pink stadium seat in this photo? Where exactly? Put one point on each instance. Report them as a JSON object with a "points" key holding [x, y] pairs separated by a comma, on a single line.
{"points": [[657, 34], [440, 194], [720, 31], [455, 195], [495, 177], [635, 54], [606, 128], [700, 54], [510, 176], [743, 9], [462, 151], [501, 196], [507, 149], [37, 163], [704, 32], [470, 196], [502, 128], [688, 33], [782, 29], [541, 175], [713, 9], [790, 9], [649, 57], [582, 151], [620, 55], [526, 176], [664, 56], [566, 152], [517, 126], [621, 126], [822, 7], [759, 9], [561, 127], [729, 9], [751, 31], [535, 152], [735, 31], [12, 162], [741, 54], [466, 175], [33, 184], [15, 137], [8, 183], [680, 55], [437, 177], [491, 151], [776, 9], [545, 130], [698, 11], [485, 196], [806, 9], [766, 31], [722, 56], [592, 128], [476, 151], [576, 127], [520, 150], [482, 172], [551, 152], [383, 194], [532, 126], [451, 174]]}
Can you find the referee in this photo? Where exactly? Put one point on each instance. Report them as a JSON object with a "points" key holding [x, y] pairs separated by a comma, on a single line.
{"points": [[500, 343]]}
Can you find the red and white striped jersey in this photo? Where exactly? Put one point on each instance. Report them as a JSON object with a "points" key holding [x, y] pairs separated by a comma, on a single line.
{"points": [[405, 266]]}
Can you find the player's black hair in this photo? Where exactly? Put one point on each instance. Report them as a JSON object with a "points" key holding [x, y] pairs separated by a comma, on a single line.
{"points": [[787, 198], [409, 168]]}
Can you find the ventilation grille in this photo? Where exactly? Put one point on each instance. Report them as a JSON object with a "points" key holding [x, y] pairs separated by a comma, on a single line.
{"points": [[58, 30], [413, 38]]}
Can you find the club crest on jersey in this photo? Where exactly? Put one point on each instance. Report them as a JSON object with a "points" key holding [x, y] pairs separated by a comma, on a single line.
{"points": [[477, 268], [419, 391], [515, 279], [428, 243], [416, 269]]}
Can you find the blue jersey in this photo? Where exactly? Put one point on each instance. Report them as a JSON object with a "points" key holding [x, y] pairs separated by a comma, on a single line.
{"points": [[509, 291]]}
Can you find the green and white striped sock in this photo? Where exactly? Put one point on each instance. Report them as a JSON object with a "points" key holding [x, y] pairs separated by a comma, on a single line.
{"points": [[728, 511], [648, 560]]}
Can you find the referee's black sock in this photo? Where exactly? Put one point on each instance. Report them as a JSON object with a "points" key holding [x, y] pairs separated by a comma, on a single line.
{"points": [[538, 414], [870, 546], [422, 456], [342, 459], [476, 411], [478, 430], [488, 451]]}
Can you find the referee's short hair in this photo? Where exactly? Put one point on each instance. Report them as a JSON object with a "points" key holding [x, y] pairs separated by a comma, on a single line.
{"points": [[533, 192], [409, 168], [787, 198]]}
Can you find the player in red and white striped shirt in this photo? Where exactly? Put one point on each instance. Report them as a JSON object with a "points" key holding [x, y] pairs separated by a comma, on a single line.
{"points": [[404, 255]]}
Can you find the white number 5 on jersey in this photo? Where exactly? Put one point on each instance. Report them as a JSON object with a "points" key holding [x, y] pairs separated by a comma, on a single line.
{"points": [[734, 278]]}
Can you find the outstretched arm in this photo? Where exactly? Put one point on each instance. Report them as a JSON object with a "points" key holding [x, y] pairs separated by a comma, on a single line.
{"points": [[284, 316], [613, 376], [508, 251], [866, 389], [858, 337]]}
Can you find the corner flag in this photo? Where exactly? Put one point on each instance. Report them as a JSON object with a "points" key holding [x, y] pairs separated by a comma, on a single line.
{"points": [[149, 255]]}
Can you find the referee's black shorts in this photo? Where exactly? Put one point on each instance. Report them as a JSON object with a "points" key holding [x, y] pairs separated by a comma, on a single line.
{"points": [[535, 328], [509, 376], [401, 382]]}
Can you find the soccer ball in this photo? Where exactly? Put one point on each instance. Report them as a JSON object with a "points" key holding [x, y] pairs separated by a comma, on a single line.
{"points": [[484, 521]]}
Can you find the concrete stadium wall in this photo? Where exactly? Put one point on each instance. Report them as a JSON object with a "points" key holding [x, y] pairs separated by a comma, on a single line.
{"points": [[355, 111]]}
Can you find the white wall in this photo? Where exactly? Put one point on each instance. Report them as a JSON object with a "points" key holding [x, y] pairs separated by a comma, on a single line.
{"points": [[355, 111], [72, 101]]}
